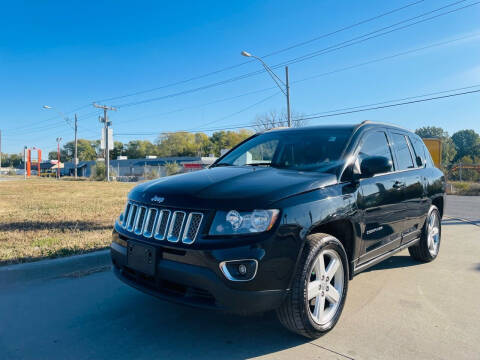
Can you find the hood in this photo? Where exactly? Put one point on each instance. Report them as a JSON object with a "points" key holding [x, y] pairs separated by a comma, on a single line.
{"points": [[242, 188]]}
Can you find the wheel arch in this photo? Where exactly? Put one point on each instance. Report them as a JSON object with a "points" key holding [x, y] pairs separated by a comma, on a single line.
{"points": [[439, 202], [343, 230]]}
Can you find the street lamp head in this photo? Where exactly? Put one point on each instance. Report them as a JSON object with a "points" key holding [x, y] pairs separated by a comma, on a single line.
{"points": [[244, 53], [47, 107]]}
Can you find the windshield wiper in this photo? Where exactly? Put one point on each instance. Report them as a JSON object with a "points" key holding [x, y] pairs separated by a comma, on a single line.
{"points": [[222, 164]]}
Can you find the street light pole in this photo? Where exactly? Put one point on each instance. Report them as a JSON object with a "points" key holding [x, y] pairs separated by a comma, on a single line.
{"points": [[75, 128], [285, 88]]}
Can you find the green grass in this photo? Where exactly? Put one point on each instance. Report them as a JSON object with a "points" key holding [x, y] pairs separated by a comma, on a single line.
{"points": [[46, 218]]}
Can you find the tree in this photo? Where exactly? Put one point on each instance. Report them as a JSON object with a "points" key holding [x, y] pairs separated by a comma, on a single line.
{"points": [[85, 150], [273, 119], [172, 168], [118, 150], [467, 143], [179, 144], [227, 139], [448, 147], [12, 160], [137, 149]]}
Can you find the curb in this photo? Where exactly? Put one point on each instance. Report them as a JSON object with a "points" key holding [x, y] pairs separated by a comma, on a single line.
{"points": [[54, 268]]}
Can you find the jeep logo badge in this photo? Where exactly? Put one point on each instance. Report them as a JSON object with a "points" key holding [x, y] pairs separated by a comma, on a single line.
{"points": [[157, 199]]}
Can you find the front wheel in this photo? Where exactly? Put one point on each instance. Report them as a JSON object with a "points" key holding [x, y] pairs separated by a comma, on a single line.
{"points": [[428, 246], [319, 288]]}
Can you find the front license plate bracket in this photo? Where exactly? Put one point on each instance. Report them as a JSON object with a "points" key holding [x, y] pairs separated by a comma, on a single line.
{"points": [[141, 257]]}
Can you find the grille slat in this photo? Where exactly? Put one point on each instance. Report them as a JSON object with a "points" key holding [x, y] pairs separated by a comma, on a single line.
{"points": [[161, 224], [140, 220], [176, 225], [150, 222], [132, 217], [191, 227]]}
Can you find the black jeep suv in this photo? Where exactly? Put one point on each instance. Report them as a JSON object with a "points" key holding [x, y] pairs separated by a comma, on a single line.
{"points": [[283, 221]]}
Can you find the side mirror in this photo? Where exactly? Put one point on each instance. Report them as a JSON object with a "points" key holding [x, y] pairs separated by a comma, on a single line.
{"points": [[375, 165]]}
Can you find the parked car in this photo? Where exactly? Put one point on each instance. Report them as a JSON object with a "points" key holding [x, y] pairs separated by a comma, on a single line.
{"points": [[283, 221]]}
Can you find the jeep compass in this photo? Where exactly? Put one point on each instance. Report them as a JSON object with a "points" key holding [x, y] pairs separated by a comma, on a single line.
{"points": [[283, 222]]}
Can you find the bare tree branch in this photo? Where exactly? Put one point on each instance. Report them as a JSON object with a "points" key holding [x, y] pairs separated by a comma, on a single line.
{"points": [[274, 119]]}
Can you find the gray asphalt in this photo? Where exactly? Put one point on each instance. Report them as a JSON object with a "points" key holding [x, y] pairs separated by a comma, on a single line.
{"points": [[399, 309], [464, 207]]}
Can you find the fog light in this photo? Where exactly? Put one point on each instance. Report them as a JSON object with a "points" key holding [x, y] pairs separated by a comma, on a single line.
{"points": [[242, 269], [239, 270]]}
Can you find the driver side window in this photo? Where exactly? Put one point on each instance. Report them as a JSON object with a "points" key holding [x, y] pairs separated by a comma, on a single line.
{"points": [[374, 144]]}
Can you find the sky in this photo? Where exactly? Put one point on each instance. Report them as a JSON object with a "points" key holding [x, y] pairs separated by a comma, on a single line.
{"points": [[170, 66]]}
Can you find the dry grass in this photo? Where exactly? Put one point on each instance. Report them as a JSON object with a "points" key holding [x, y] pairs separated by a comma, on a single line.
{"points": [[465, 188], [46, 218]]}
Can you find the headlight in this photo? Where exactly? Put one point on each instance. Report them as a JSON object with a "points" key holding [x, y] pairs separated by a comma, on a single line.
{"points": [[245, 222]]}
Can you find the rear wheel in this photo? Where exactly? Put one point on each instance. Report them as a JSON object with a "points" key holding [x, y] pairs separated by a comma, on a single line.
{"points": [[319, 288], [428, 247]]}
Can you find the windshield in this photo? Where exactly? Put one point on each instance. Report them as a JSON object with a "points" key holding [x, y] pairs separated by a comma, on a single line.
{"points": [[299, 150]]}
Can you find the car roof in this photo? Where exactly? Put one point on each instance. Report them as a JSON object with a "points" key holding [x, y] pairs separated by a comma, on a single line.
{"points": [[352, 127]]}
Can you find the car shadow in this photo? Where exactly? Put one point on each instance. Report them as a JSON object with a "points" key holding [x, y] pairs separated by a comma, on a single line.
{"points": [[150, 328], [394, 262]]}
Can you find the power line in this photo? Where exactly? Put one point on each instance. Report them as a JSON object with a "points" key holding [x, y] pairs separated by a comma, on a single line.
{"points": [[314, 116], [329, 49], [276, 52], [388, 57]]}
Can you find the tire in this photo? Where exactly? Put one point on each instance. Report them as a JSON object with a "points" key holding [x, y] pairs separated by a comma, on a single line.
{"points": [[298, 313], [427, 248]]}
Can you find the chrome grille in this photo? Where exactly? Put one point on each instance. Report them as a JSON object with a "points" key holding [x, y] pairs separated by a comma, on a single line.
{"points": [[140, 220], [161, 224], [149, 222], [192, 226], [132, 217], [176, 225]]}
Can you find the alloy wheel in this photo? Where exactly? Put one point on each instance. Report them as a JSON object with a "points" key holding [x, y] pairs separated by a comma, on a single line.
{"points": [[433, 231], [325, 286]]}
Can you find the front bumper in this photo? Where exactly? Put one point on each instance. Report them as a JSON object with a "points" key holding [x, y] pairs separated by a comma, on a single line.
{"points": [[193, 276]]}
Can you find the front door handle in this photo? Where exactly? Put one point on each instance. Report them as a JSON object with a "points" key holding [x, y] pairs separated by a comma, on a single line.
{"points": [[398, 185]]}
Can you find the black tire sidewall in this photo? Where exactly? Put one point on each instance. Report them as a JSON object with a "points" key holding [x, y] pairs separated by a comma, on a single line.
{"points": [[331, 243]]}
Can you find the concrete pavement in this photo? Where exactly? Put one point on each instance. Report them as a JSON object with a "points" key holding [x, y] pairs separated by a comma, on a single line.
{"points": [[399, 309], [464, 207]]}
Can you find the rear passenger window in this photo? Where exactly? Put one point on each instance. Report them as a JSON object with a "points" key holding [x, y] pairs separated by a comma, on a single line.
{"points": [[404, 157], [419, 148], [375, 144]]}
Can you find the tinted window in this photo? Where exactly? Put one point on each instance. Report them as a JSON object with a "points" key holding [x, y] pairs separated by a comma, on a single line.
{"points": [[419, 149], [404, 157], [375, 144], [316, 150]]}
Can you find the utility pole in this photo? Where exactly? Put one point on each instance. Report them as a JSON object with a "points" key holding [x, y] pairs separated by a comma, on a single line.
{"points": [[75, 160], [25, 163], [106, 132], [287, 86], [58, 157]]}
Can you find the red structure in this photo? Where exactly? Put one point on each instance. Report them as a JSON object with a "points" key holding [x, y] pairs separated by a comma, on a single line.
{"points": [[34, 163]]}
